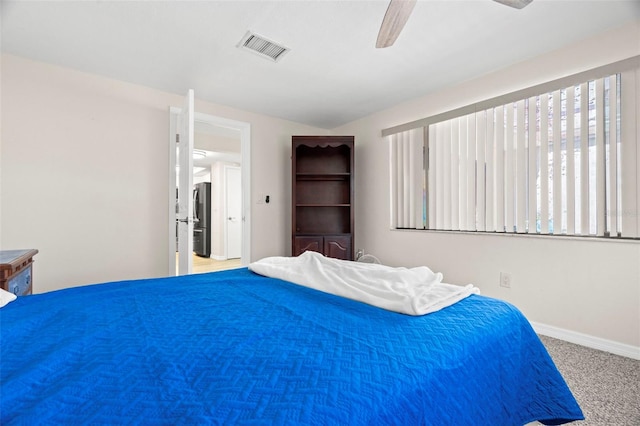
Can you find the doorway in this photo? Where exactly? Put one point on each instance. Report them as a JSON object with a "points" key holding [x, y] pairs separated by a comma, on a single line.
{"points": [[218, 143]]}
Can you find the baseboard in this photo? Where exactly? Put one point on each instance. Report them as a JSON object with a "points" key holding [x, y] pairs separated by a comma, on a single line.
{"points": [[592, 342], [214, 257]]}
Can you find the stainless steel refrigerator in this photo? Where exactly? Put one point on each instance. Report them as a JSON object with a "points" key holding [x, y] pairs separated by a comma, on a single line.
{"points": [[202, 219]]}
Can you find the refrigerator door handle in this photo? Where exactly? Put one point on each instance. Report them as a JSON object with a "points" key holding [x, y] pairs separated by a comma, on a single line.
{"points": [[195, 205]]}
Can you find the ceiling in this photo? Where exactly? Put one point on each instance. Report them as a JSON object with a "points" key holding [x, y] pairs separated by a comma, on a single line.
{"points": [[222, 144], [333, 73], [202, 163]]}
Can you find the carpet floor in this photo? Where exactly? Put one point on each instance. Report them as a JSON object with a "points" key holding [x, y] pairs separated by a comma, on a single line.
{"points": [[606, 386]]}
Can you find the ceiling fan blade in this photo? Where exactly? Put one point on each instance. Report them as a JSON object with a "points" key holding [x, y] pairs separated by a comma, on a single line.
{"points": [[518, 4], [394, 19]]}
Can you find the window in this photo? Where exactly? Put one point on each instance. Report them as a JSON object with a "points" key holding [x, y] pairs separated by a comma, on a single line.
{"points": [[556, 159]]}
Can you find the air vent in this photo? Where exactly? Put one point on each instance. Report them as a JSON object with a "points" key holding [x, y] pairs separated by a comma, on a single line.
{"points": [[262, 46]]}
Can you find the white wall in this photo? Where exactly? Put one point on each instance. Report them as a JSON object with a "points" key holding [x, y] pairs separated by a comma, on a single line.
{"points": [[216, 143], [587, 287], [84, 174]]}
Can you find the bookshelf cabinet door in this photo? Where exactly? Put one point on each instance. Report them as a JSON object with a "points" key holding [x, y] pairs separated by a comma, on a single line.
{"points": [[338, 247]]}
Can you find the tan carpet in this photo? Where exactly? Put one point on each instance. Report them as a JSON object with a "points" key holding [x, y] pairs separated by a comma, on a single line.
{"points": [[606, 386]]}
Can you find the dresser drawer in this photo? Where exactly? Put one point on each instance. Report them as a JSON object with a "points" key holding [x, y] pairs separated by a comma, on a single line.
{"points": [[20, 284]]}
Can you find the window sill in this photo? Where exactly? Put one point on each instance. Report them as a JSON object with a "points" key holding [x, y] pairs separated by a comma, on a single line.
{"points": [[514, 235]]}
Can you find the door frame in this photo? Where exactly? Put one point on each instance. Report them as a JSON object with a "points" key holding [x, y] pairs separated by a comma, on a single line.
{"points": [[244, 128], [185, 127]]}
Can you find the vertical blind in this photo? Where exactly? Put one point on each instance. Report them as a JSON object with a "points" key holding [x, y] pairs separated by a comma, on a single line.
{"points": [[557, 163], [407, 179]]}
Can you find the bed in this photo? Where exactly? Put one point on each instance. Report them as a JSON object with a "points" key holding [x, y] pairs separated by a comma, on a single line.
{"points": [[235, 347]]}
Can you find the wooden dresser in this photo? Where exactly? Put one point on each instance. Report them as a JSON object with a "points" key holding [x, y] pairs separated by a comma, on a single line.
{"points": [[16, 275]]}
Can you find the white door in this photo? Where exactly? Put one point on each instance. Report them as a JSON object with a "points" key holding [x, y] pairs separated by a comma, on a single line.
{"points": [[233, 203], [184, 170]]}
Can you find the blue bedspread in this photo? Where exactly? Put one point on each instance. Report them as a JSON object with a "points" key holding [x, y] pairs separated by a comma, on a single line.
{"points": [[236, 348]]}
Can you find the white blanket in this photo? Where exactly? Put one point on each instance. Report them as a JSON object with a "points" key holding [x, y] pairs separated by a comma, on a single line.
{"points": [[6, 297], [412, 291]]}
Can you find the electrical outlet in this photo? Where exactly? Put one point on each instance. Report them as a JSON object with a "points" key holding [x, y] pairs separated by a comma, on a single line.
{"points": [[505, 279]]}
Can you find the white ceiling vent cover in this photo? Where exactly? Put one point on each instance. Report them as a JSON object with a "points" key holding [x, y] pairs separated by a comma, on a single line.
{"points": [[262, 46]]}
